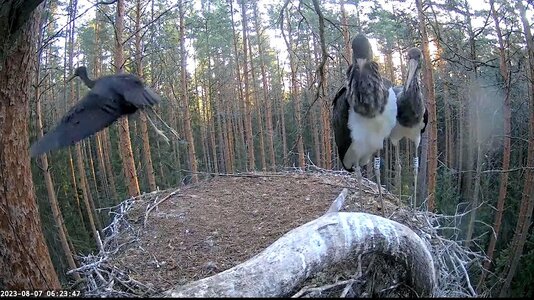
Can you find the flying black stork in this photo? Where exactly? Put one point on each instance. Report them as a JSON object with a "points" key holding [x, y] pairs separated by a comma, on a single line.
{"points": [[364, 111], [412, 115], [109, 98]]}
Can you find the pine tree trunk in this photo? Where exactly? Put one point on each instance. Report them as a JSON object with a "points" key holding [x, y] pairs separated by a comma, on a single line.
{"points": [[51, 193], [25, 262], [503, 63], [295, 97], [389, 65], [527, 199], [475, 136], [75, 185], [89, 156], [239, 123], [246, 95], [282, 116], [185, 98], [258, 105], [147, 155], [56, 211], [346, 38], [125, 147], [431, 100], [459, 145], [108, 165], [265, 89], [82, 177], [449, 154]]}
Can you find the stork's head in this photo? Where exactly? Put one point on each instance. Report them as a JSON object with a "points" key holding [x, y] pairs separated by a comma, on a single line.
{"points": [[414, 65], [361, 50], [78, 72], [82, 73]]}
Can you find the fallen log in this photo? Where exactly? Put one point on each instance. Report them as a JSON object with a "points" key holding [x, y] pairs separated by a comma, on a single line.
{"points": [[302, 252]]}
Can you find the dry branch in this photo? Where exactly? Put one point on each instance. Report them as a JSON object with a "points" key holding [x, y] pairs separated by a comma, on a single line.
{"points": [[338, 203], [312, 247]]}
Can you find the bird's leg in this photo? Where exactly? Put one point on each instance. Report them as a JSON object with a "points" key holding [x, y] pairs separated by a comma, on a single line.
{"points": [[359, 176], [416, 172], [398, 181], [377, 173], [163, 122], [159, 132]]}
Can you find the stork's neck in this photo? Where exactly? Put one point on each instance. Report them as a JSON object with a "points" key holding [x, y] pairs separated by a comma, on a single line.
{"points": [[88, 82]]}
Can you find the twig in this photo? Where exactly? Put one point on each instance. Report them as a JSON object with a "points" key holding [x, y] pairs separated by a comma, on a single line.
{"points": [[321, 289], [158, 203]]}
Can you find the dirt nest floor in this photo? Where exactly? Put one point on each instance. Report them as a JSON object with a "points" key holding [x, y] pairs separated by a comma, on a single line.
{"points": [[180, 235]]}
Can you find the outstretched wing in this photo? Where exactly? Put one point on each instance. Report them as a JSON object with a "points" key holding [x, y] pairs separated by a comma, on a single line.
{"points": [[128, 87], [92, 114]]}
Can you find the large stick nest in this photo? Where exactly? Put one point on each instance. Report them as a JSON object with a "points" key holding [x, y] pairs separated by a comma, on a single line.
{"points": [[166, 239]]}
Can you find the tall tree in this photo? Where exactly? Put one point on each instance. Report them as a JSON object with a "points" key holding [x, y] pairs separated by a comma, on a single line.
{"points": [[147, 155], [503, 67], [475, 130], [428, 82], [295, 97], [25, 262], [51, 193], [527, 199], [125, 146], [246, 93], [265, 89], [94, 221], [185, 96]]}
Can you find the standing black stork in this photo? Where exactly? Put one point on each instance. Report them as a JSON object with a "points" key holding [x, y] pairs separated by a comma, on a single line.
{"points": [[109, 98], [364, 112], [412, 115]]}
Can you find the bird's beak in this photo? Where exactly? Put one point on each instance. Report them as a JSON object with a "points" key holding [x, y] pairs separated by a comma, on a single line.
{"points": [[71, 77], [361, 62], [412, 67]]}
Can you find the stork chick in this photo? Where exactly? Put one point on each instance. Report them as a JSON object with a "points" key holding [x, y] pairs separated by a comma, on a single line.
{"points": [[412, 116], [364, 112]]}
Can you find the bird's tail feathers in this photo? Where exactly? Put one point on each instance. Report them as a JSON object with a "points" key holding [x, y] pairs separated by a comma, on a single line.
{"points": [[151, 97]]}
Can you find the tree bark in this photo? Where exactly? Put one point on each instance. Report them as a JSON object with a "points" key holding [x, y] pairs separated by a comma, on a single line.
{"points": [[475, 138], [125, 147], [258, 104], [82, 177], [428, 81], [282, 115], [265, 88], [246, 95], [185, 98], [331, 239], [147, 155], [346, 38], [25, 262], [295, 97]]}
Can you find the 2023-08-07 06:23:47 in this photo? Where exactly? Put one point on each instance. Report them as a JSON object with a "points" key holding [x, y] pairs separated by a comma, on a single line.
{"points": [[39, 293]]}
